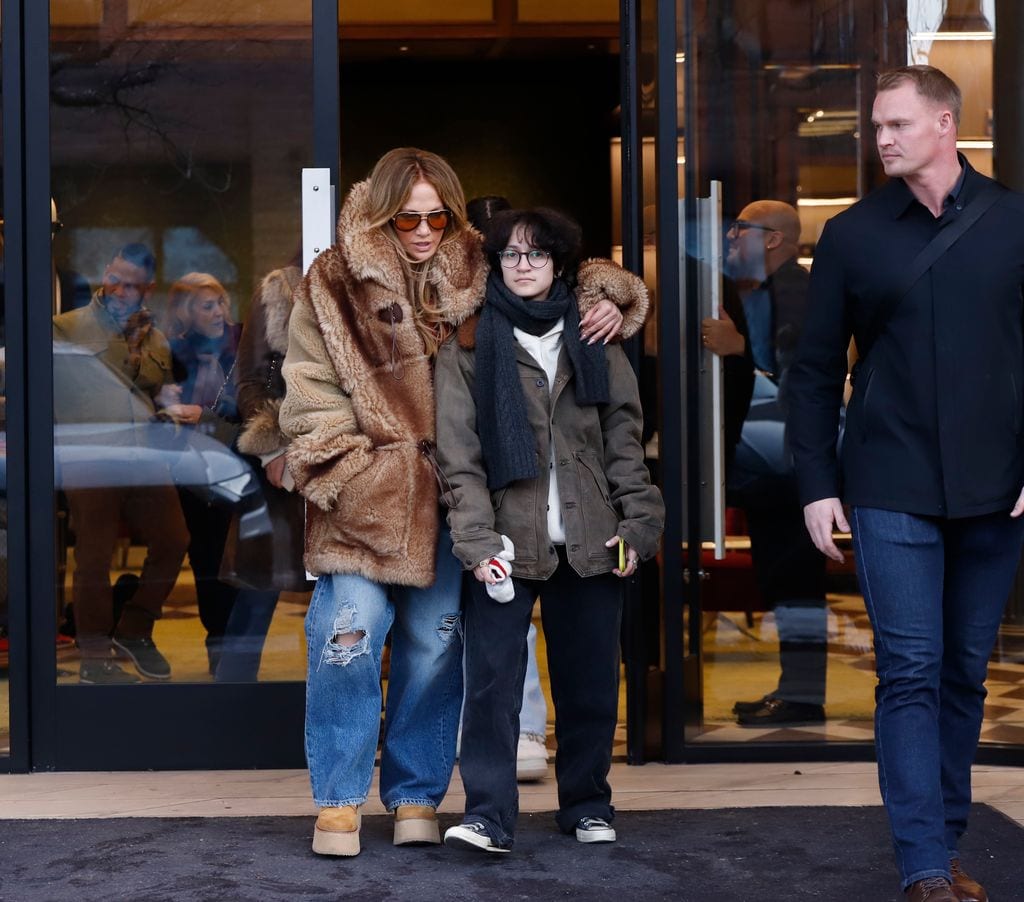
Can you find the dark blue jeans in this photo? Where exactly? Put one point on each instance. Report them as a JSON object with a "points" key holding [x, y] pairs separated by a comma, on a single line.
{"points": [[581, 629], [935, 591]]}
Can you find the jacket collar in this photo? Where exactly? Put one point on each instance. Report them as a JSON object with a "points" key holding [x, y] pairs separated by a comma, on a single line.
{"points": [[458, 271], [900, 197]]}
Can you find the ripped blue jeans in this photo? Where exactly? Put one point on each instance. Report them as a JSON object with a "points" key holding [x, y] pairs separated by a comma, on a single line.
{"points": [[349, 617]]}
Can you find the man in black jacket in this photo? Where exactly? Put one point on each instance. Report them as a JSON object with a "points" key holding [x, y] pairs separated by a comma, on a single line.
{"points": [[933, 457], [758, 342]]}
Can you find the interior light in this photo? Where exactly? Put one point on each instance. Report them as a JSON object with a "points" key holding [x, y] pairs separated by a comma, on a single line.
{"points": [[952, 36], [825, 201]]}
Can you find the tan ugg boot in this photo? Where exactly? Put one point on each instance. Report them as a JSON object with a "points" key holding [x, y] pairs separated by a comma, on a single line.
{"points": [[416, 824], [337, 831]]}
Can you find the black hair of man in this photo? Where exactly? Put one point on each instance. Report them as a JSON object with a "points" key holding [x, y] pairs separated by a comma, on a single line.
{"points": [[481, 210], [138, 255]]}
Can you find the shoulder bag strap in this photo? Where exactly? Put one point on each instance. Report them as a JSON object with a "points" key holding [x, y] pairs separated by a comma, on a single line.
{"points": [[927, 258]]}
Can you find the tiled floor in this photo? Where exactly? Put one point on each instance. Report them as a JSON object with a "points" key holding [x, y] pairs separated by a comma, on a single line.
{"points": [[653, 786]]}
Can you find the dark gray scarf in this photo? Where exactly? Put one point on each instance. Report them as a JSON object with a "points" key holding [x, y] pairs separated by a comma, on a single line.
{"points": [[506, 439]]}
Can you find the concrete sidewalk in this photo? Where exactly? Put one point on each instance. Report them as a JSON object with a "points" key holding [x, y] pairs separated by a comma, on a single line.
{"points": [[651, 787]]}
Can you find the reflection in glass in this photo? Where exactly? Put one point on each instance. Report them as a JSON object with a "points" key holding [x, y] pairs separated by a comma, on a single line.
{"points": [[783, 120], [176, 159]]}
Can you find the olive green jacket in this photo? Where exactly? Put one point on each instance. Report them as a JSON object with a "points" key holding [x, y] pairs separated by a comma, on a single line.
{"points": [[603, 484]]}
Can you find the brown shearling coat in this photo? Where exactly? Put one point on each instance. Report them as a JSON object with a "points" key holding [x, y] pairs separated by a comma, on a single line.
{"points": [[362, 431]]}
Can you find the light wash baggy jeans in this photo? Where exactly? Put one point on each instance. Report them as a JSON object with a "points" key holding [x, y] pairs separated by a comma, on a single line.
{"points": [[343, 691]]}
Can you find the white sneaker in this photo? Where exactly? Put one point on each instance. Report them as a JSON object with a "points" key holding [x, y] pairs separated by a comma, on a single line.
{"points": [[472, 836], [594, 829], [531, 758]]}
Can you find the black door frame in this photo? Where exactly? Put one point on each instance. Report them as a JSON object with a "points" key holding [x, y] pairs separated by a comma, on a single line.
{"points": [[103, 727]]}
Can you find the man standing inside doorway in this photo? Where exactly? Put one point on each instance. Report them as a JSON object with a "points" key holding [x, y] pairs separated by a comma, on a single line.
{"points": [[926, 274]]}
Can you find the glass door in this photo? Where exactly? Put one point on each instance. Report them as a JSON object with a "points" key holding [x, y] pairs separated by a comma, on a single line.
{"points": [[767, 648], [177, 137]]}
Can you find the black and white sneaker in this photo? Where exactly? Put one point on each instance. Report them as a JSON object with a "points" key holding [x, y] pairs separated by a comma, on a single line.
{"points": [[146, 657], [594, 829], [472, 836]]}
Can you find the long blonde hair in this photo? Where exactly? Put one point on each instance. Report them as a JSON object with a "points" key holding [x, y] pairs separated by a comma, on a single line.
{"points": [[391, 183], [181, 302]]}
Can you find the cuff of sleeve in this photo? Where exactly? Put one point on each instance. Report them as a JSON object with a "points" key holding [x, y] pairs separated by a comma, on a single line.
{"points": [[475, 547], [643, 539]]}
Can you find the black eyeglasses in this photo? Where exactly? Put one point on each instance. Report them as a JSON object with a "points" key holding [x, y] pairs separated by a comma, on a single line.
{"points": [[510, 258], [738, 225], [407, 222]]}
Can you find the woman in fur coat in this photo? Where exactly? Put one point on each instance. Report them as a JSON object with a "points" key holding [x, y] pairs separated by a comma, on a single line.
{"points": [[366, 324]]}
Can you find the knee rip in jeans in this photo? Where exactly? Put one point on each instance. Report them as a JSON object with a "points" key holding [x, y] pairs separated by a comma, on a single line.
{"points": [[449, 627], [345, 643]]}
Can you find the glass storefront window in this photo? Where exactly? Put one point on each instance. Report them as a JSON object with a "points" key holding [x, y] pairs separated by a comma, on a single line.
{"points": [[176, 161], [783, 115]]}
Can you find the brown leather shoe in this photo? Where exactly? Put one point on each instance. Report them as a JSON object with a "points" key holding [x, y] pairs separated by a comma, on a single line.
{"points": [[337, 831], [931, 889], [964, 888], [415, 824]]}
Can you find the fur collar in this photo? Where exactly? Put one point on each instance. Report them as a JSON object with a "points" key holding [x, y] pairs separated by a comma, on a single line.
{"points": [[458, 271], [275, 294]]}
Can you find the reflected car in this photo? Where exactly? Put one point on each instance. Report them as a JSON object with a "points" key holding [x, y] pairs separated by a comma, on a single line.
{"points": [[106, 435]]}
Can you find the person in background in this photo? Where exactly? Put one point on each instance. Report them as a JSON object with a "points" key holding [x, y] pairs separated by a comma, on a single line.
{"points": [[761, 341], [926, 273], [114, 366], [204, 344], [539, 438], [264, 566]]}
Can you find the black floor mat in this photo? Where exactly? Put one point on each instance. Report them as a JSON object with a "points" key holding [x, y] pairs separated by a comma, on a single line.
{"points": [[731, 855]]}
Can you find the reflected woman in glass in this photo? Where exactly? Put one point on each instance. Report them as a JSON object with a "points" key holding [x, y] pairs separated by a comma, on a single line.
{"points": [[204, 345], [265, 565]]}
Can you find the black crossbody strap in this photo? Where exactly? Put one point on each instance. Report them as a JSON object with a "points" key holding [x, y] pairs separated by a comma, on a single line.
{"points": [[927, 258]]}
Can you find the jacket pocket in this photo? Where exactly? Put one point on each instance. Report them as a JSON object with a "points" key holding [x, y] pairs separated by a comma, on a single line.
{"points": [[516, 514], [868, 378], [600, 518], [372, 508]]}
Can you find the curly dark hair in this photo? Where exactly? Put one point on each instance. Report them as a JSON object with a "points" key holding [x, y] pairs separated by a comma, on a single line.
{"points": [[545, 229]]}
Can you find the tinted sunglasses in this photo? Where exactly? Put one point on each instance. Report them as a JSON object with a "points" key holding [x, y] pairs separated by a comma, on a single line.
{"points": [[436, 219]]}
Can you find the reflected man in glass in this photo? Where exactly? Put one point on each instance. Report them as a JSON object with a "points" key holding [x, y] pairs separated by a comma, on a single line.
{"points": [[758, 343], [111, 366]]}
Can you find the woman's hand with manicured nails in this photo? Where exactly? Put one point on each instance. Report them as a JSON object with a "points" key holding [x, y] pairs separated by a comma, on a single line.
{"points": [[601, 323]]}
